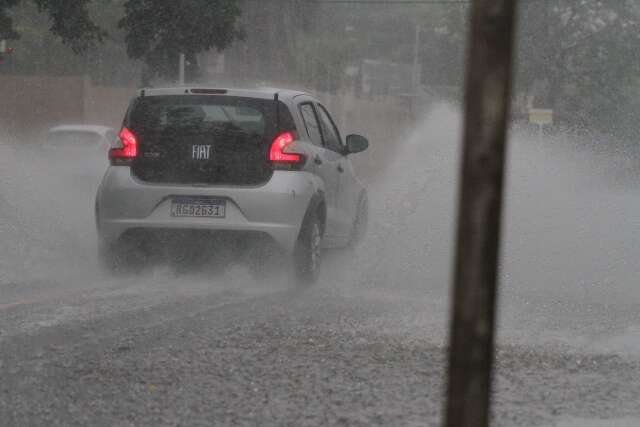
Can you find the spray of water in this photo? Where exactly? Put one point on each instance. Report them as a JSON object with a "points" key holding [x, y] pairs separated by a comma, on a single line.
{"points": [[569, 250], [570, 235]]}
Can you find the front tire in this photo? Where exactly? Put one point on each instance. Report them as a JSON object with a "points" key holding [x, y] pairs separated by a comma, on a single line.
{"points": [[307, 255]]}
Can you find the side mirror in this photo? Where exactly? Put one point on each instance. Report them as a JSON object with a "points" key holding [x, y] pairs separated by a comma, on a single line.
{"points": [[356, 143]]}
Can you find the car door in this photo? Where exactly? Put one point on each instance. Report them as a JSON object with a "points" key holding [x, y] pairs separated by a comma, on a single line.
{"points": [[341, 167], [324, 164]]}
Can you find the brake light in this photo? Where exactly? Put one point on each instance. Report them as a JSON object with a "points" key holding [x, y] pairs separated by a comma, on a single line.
{"points": [[278, 153], [128, 149]]}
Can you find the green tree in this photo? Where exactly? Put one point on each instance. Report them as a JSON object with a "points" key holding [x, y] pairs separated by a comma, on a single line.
{"points": [[585, 53], [69, 20], [158, 31], [40, 52], [349, 33], [7, 31], [153, 31]]}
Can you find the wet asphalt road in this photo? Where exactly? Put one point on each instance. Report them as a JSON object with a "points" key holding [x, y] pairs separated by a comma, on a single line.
{"points": [[126, 353], [215, 345]]}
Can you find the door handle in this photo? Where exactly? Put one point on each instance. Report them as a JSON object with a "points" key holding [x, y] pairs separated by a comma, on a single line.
{"points": [[317, 160], [340, 169]]}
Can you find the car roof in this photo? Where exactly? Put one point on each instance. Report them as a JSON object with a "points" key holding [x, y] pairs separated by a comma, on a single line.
{"points": [[101, 130], [259, 93]]}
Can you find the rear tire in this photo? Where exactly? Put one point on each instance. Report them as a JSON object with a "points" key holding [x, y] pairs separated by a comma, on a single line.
{"points": [[307, 256]]}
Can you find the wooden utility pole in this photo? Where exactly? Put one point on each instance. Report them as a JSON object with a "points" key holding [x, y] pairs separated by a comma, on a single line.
{"points": [[478, 233]]}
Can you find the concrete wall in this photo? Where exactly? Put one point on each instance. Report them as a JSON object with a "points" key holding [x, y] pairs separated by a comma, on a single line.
{"points": [[106, 105], [29, 105]]}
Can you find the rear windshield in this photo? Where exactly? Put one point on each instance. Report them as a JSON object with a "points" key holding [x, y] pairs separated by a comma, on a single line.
{"points": [[75, 139], [201, 113], [236, 134]]}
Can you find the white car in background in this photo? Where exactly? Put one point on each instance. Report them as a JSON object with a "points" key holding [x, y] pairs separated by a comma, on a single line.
{"points": [[81, 137], [80, 151]]}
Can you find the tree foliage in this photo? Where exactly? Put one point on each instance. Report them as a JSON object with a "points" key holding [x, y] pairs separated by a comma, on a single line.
{"points": [[273, 31], [158, 31], [585, 54], [40, 52], [7, 31], [154, 31], [578, 57], [70, 21]]}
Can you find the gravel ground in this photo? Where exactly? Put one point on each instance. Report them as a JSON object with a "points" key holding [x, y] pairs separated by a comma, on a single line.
{"points": [[244, 356], [365, 346]]}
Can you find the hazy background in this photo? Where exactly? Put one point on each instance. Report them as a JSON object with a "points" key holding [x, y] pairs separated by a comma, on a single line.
{"points": [[577, 57], [394, 73]]}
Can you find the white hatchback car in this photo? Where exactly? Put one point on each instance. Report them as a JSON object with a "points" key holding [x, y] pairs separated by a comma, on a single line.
{"points": [[192, 161]]}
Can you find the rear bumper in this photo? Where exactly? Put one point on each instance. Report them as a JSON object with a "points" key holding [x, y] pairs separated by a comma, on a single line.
{"points": [[276, 208]]}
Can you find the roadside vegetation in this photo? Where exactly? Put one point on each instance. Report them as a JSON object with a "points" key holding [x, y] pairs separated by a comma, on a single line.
{"points": [[578, 58]]}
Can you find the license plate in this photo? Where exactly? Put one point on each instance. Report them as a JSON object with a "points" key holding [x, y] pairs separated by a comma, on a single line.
{"points": [[198, 207]]}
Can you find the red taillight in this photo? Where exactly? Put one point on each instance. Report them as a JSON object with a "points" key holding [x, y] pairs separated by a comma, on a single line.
{"points": [[277, 154], [129, 148]]}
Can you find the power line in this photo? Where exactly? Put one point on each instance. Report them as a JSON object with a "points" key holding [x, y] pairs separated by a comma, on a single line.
{"points": [[390, 1], [382, 2]]}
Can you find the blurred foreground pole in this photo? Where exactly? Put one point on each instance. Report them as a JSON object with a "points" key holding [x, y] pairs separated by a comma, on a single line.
{"points": [[478, 233]]}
